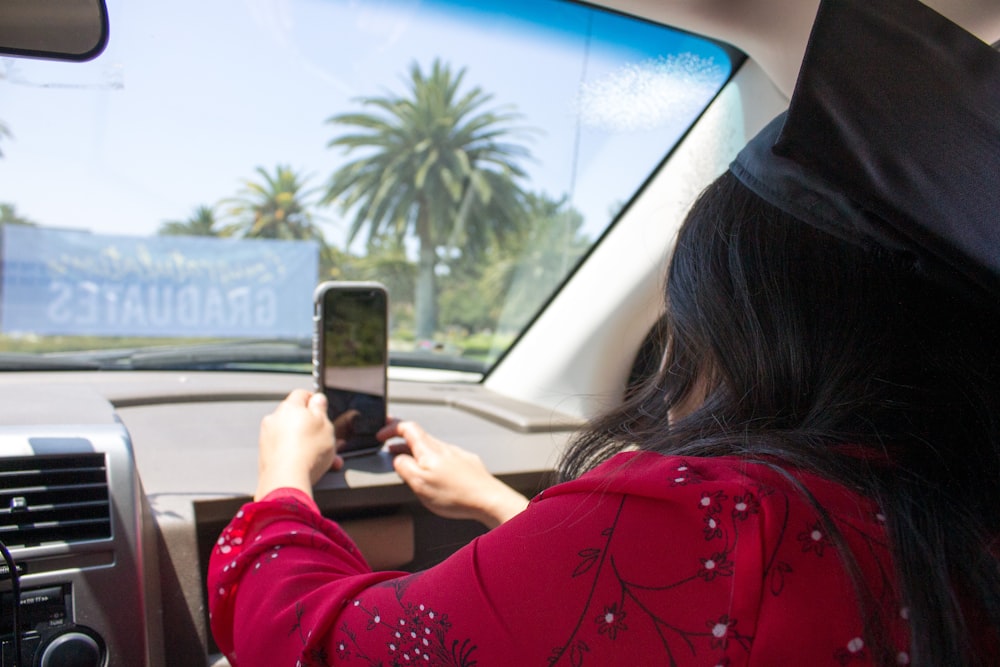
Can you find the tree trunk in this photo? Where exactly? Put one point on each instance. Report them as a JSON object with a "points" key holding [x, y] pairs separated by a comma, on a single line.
{"points": [[425, 297]]}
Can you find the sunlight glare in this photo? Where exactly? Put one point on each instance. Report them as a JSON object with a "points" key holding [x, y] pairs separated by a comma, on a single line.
{"points": [[650, 94]]}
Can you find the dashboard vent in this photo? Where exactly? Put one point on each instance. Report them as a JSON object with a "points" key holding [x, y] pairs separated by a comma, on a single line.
{"points": [[45, 499]]}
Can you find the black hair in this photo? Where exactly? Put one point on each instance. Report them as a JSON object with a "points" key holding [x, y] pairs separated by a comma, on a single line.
{"points": [[791, 343]]}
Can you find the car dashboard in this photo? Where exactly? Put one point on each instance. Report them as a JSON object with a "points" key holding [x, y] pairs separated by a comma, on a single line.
{"points": [[165, 459]]}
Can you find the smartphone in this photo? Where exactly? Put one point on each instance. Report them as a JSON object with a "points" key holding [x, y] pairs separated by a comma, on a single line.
{"points": [[350, 354]]}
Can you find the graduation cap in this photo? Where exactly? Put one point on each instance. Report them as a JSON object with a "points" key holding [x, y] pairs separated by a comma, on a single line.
{"points": [[892, 140]]}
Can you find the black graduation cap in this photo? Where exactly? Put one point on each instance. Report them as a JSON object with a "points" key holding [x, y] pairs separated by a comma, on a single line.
{"points": [[892, 140]]}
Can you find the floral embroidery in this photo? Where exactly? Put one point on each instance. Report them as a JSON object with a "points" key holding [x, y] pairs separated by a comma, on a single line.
{"points": [[589, 557], [683, 475], [414, 634], [611, 621], [716, 565], [855, 650], [299, 612], [613, 618], [712, 502], [342, 652], [713, 528], [813, 539], [317, 656], [744, 506], [777, 577], [720, 631], [647, 606], [577, 652]]}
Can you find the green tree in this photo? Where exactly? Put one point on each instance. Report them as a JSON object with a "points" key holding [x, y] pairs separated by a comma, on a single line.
{"points": [[278, 206], [10, 216], [504, 289], [532, 271], [385, 260], [202, 222], [435, 165]]}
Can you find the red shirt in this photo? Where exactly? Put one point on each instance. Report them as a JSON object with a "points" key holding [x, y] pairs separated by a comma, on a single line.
{"points": [[645, 560]]}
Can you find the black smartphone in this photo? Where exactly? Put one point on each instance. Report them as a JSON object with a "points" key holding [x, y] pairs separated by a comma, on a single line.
{"points": [[350, 354]]}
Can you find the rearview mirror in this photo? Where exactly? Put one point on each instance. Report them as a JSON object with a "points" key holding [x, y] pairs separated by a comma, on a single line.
{"points": [[55, 29]]}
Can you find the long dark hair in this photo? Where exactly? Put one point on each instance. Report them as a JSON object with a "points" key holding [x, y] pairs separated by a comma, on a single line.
{"points": [[792, 343]]}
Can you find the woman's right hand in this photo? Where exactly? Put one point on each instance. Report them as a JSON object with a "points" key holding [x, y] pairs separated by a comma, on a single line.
{"points": [[450, 481]]}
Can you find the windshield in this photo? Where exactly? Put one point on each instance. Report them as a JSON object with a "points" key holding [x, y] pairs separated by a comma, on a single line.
{"points": [[174, 202]]}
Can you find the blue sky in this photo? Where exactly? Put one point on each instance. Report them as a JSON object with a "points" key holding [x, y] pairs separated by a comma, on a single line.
{"points": [[192, 96]]}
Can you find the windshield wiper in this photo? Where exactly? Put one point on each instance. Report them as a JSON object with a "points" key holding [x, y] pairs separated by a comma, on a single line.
{"points": [[243, 355], [437, 362], [19, 361]]}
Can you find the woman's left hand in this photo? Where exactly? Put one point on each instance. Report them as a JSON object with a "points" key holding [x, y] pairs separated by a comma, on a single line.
{"points": [[296, 445], [450, 481]]}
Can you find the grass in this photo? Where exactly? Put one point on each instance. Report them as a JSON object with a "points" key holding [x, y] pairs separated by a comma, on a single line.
{"points": [[477, 346], [31, 344]]}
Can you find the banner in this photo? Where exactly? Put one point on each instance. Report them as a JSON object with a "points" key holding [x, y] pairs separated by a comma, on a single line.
{"points": [[78, 283]]}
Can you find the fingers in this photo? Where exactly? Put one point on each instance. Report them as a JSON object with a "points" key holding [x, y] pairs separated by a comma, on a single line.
{"points": [[416, 438], [410, 460], [421, 444], [316, 402], [390, 430], [303, 398], [420, 480], [299, 397], [398, 447], [406, 467]]}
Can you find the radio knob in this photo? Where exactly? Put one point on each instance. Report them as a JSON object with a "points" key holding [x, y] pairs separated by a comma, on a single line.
{"points": [[71, 649]]}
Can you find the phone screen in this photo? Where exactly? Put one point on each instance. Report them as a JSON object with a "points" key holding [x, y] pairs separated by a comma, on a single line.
{"points": [[353, 366]]}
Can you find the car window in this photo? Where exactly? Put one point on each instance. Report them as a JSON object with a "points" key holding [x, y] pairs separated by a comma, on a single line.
{"points": [[175, 201]]}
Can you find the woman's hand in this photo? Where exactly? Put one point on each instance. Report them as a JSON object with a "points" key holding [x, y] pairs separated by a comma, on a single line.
{"points": [[450, 481], [296, 445]]}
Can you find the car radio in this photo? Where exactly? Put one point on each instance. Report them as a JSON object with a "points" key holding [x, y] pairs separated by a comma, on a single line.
{"points": [[49, 637]]}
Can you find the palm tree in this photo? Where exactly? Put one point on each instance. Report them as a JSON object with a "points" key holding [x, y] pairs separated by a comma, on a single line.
{"points": [[277, 207], [434, 165], [201, 223]]}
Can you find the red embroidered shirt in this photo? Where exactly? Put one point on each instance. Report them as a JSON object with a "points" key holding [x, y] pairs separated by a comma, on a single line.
{"points": [[647, 559]]}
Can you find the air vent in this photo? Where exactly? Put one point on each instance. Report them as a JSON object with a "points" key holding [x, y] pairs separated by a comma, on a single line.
{"points": [[45, 499]]}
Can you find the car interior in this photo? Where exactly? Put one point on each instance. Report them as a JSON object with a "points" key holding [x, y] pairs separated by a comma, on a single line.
{"points": [[119, 470]]}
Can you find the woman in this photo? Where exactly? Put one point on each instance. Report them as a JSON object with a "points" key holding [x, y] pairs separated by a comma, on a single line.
{"points": [[809, 478]]}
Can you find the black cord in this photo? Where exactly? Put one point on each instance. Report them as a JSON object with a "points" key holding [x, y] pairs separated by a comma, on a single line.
{"points": [[15, 587]]}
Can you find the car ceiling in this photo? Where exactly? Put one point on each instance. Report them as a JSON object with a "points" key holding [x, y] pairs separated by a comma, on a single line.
{"points": [[775, 32]]}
